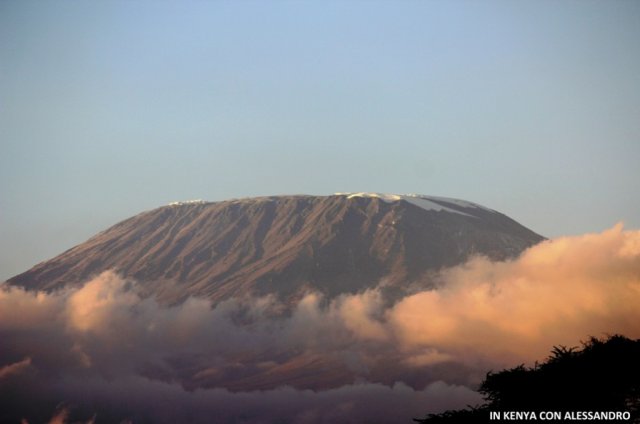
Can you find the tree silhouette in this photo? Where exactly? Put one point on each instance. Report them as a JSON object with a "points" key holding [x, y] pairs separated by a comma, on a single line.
{"points": [[604, 375]]}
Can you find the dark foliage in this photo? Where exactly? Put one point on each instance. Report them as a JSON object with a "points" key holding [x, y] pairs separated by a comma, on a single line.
{"points": [[602, 376]]}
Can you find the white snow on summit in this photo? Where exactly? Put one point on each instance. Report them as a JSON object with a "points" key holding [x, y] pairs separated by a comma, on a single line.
{"points": [[457, 202], [188, 202], [429, 203], [383, 196]]}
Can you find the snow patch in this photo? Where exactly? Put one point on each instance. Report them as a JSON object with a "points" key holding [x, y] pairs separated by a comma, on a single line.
{"points": [[429, 203], [188, 202], [386, 197], [457, 202]]}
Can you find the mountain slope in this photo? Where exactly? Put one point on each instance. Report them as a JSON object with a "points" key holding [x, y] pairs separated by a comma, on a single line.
{"points": [[284, 245]]}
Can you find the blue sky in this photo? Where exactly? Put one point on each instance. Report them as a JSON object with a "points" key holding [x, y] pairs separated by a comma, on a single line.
{"points": [[111, 108]]}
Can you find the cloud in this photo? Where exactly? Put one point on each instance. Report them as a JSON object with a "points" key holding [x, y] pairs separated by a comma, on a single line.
{"points": [[556, 293], [15, 368], [129, 397], [99, 302], [104, 346], [60, 417], [104, 349]]}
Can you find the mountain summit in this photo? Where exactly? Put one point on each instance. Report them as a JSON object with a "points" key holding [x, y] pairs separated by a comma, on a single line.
{"points": [[286, 245]]}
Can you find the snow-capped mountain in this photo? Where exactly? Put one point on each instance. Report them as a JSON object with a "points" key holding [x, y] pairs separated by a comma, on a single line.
{"points": [[286, 245]]}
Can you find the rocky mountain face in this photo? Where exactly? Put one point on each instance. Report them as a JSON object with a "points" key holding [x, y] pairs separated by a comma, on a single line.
{"points": [[286, 245]]}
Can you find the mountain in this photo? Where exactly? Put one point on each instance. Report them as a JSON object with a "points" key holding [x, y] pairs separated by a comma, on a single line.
{"points": [[285, 245]]}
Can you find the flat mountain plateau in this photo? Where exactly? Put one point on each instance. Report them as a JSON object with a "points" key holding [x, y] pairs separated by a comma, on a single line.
{"points": [[287, 246]]}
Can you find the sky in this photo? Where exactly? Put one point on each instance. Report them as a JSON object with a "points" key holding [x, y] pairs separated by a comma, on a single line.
{"points": [[111, 108]]}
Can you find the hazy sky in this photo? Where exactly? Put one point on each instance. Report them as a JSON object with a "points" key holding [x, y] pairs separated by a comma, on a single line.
{"points": [[111, 108]]}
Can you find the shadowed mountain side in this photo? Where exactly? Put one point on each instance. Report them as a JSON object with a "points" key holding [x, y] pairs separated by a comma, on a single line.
{"points": [[284, 245]]}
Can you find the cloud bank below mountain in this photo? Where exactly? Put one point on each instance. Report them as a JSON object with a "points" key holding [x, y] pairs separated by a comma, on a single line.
{"points": [[104, 350]]}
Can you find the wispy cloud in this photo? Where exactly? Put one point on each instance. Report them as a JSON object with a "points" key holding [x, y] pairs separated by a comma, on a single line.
{"points": [[15, 368]]}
